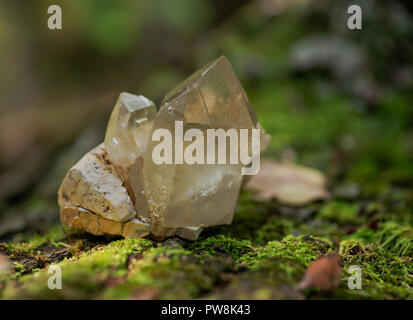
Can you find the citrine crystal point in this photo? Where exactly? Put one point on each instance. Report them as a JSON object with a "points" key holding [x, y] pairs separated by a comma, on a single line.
{"points": [[181, 195], [222, 94], [191, 80]]}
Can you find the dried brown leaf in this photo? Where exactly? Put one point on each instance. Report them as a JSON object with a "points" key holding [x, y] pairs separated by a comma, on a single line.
{"points": [[323, 273], [289, 184]]}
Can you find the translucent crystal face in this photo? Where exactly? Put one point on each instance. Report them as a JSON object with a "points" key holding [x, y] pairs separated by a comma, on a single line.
{"points": [[203, 194], [128, 128], [126, 141], [219, 91]]}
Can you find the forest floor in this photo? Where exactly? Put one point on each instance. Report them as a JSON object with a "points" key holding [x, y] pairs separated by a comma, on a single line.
{"points": [[264, 253]]}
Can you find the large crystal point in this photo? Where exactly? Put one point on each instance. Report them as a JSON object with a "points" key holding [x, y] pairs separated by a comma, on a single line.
{"points": [[126, 140], [217, 88], [182, 195]]}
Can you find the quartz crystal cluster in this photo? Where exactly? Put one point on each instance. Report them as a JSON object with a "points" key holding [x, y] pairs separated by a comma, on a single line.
{"points": [[118, 189]]}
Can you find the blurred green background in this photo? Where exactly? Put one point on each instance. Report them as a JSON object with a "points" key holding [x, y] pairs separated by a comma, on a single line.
{"points": [[332, 98]]}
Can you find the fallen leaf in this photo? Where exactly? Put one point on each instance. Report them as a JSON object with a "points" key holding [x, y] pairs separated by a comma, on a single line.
{"points": [[323, 273], [288, 183]]}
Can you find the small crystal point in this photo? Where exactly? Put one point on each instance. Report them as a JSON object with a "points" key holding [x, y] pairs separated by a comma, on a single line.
{"points": [[128, 128], [126, 140]]}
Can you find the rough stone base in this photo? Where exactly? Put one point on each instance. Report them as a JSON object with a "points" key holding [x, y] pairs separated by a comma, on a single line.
{"points": [[80, 218]]}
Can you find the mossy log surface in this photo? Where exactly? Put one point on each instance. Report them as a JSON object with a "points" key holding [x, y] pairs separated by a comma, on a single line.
{"points": [[262, 255]]}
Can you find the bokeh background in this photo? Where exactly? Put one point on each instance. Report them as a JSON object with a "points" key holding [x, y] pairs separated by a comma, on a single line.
{"points": [[334, 99]]}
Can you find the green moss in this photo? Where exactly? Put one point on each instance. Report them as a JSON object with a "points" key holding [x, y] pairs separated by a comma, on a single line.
{"points": [[171, 273], [275, 228], [341, 212], [222, 244], [54, 236], [83, 276], [287, 259], [395, 238], [384, 276]]}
